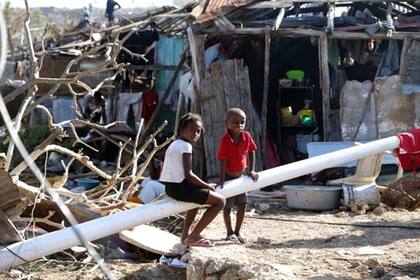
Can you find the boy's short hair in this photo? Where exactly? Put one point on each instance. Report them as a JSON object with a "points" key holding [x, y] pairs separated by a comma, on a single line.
{"points": [[234, 111]]}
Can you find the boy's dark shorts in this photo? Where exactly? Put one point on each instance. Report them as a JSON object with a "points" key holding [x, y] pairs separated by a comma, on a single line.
{"points": [[185, 192], [237, 199]]}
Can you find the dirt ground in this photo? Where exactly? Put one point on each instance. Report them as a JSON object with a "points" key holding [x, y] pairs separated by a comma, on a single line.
{"points": [[307, 245]]}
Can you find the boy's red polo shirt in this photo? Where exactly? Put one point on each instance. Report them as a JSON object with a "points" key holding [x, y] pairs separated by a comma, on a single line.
{"points": [[236, 154]]}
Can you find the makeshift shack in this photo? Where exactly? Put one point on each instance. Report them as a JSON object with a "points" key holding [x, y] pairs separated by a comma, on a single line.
{"points": [[357, 60]]}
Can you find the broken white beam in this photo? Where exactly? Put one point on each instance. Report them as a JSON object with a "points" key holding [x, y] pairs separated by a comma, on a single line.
{"points": [[279, 19], [62, 239], [331, 15]]}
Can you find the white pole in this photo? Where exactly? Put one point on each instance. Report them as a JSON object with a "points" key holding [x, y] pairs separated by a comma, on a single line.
{"points": [[63, 239]]}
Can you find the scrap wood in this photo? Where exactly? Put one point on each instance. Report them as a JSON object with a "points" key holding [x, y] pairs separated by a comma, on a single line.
{"points": [[48, 216], [30, 192], [404, 193], [12, 202], [8, 232], [47, 213], [153, 240], [44, 221]]}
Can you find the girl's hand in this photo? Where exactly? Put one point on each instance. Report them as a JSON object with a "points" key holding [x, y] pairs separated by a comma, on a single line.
{"points": [[253, 176], [212, 186], [220, 185]]}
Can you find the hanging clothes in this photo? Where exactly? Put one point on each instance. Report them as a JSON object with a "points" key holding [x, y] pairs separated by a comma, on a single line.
{"points": [[333, 54], [186, 88], [127, 100]]}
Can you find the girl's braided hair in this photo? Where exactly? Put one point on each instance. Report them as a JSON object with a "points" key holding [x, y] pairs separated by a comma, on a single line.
{"points": [[185, 120]]}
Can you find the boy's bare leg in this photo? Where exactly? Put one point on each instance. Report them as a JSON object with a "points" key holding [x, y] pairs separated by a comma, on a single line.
{"points": [[217, 202], [189, 219], [240, 215], [228, 223]]}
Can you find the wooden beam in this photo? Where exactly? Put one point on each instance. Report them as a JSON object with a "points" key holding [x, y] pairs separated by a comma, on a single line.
{"points": [[325, 84], [265, 91], [331, 13], [300, 32], [279, 19], [173, 15], [269, 4]]}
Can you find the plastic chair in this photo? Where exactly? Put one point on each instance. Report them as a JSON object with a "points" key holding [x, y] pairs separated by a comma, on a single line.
{"points": [[367, 170]]}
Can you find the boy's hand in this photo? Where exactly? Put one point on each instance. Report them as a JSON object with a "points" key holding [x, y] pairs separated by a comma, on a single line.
{"points": [[253, 176], [220, 185]]}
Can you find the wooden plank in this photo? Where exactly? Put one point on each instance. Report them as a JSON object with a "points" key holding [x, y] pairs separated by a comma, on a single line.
{"points": [[265, 90], [8, 232], [153, 240], [227, 86], [11, 201]]}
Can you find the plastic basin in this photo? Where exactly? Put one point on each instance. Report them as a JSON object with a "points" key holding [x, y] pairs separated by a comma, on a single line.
{"points": [[295, 74], [319, 198]]}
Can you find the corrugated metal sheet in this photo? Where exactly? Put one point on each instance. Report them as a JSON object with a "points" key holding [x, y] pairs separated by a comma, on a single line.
{"points": [[168, 52]]}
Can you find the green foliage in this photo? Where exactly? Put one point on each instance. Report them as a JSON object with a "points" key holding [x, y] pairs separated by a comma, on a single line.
{"points": [[33, 136], [30, 136]]}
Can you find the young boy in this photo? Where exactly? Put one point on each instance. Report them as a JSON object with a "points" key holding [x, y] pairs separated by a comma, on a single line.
{"points": [[236, 151]]}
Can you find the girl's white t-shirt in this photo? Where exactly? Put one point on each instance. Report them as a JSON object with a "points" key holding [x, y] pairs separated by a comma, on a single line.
{"points": [[173, 167]]}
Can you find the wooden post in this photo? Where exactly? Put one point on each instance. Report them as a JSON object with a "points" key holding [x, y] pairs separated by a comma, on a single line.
{"points": [[265, 92], [331, 15], [325, 85], [197, 48]]}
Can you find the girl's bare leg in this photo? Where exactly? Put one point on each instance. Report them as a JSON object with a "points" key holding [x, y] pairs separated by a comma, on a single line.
{"points": [[189, 219], [217, 202]]}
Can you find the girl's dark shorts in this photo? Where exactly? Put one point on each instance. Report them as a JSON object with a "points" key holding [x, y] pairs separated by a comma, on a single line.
{"points": [[185, 192]]}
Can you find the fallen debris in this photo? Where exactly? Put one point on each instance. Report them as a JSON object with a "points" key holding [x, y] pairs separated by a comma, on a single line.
{"points": [[154, 240], [404, 193]]}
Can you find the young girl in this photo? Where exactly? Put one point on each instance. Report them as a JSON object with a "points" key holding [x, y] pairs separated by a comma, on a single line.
{"points": [[183, 185]]}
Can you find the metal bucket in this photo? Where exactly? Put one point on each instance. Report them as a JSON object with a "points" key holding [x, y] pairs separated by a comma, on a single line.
{"points": [[363, 194]]}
